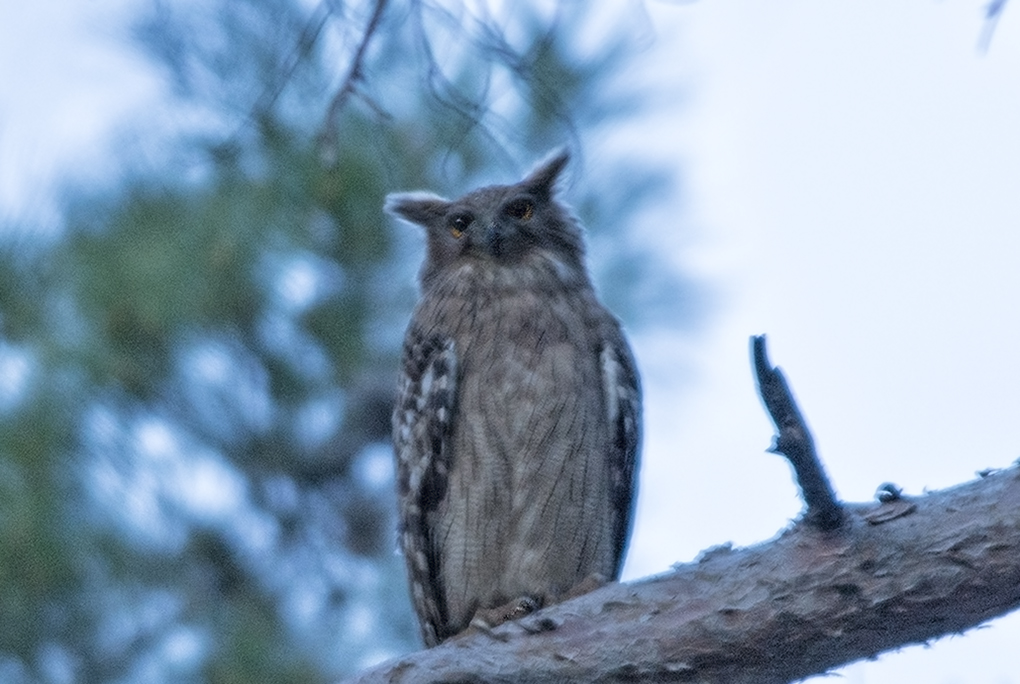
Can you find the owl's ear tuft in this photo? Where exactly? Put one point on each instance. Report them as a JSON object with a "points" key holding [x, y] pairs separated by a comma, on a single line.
{"points": [[417, 207], [542, 180]]}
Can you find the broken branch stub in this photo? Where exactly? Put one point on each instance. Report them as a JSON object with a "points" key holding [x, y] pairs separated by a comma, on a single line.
{"points": [[793, 440]]}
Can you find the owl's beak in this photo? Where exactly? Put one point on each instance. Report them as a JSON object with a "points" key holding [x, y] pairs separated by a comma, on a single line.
{"points": [[494, 239]]}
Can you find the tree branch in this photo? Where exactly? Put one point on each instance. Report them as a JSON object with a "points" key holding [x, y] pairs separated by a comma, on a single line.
{"points": [[793, 440], [993, 12], [894, 572], [350, 81], [309, 36]]}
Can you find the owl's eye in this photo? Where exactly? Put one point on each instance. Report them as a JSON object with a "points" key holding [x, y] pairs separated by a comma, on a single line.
{"points": [[521, 209], [459, 223]]}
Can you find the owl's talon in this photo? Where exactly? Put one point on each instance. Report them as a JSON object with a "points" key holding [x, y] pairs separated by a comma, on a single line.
{"points": [[588, 584], [487, 618], [539, 624], [480, 626]]}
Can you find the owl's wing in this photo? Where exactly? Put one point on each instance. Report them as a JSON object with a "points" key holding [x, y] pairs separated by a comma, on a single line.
{"points": [[623, 406], [421, 436]]}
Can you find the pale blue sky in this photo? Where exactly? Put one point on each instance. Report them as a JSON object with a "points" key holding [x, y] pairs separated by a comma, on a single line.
{"points": [[855, 171]]}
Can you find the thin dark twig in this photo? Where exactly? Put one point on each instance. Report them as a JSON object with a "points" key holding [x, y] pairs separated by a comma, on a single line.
{"points": [[522, 66], [354, 74], [793, 440], [309, 36], [993, 12], [472, 110]]}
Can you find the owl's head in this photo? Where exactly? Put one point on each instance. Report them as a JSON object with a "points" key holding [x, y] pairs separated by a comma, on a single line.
{"points": [[504, 224]]}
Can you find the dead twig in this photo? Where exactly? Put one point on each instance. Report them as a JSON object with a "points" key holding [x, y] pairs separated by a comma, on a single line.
{"points": [[793, 440], [354, 74]]}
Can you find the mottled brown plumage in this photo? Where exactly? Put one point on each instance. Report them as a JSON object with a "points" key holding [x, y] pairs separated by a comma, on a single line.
{"points": [[517, 422]]}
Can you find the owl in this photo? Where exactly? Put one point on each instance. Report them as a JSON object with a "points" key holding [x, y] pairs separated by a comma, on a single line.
{"points": [[517, 421]]}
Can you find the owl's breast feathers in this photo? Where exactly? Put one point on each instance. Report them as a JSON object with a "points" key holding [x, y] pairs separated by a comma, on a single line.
{"points": [[516, 430]]}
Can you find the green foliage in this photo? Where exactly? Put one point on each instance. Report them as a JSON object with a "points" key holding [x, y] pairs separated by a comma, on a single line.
{"points": [[194, 468]]}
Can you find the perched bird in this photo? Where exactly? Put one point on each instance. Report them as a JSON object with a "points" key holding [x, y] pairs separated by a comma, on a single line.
{"points": [[517, 421]]}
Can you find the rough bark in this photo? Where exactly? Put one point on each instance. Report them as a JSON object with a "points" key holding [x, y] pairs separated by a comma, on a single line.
{"points": [[895, 573], [846, 582]]}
